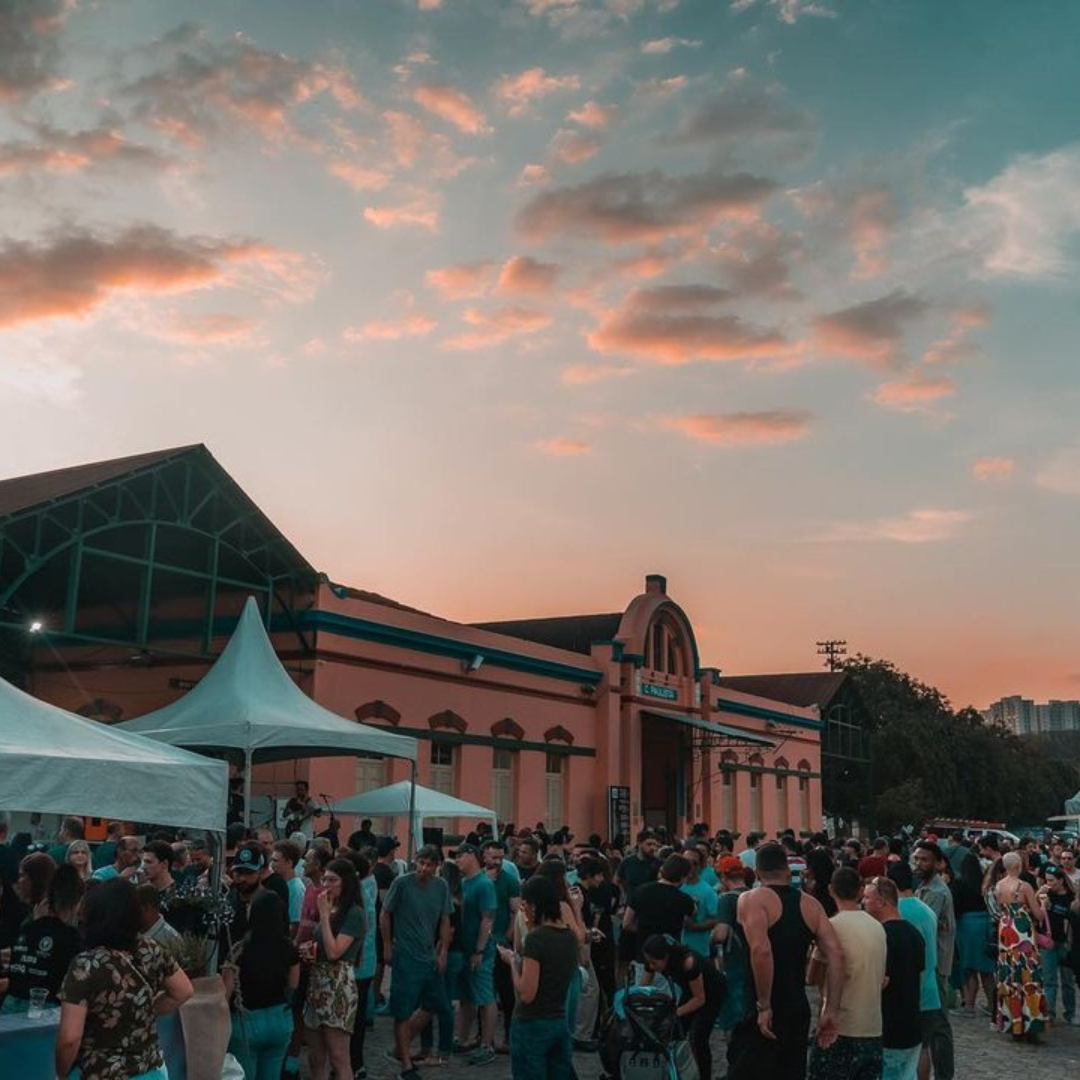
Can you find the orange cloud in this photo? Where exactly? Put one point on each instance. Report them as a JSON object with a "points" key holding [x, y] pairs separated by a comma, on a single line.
{"points": [[72, 273], [414, 324], [360, 177], [419, 213], [461, 280], [622, 208], [925, 526], [590, 374], [452, 105], [955, 346], [872, 331], [770, 428], [28, 46], [62, 151], [215, 328], [593, 115], [572, 147], [663, 337], [873, 218], [532, 176], [519, 91], [915, 392], [495, 327], [523, 274], [563, 447], [993, 469]]}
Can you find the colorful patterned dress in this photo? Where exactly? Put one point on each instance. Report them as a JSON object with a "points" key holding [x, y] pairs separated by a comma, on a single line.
{"points": [[1021, 1003]]}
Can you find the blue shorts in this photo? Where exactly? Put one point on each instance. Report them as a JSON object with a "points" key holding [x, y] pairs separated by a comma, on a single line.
{"points": [[415, 984], [476, 986]]}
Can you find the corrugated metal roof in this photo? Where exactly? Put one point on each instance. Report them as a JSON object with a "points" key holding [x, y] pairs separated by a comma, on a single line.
{"points": [[798, 688], [574, 633], [24, 492]]}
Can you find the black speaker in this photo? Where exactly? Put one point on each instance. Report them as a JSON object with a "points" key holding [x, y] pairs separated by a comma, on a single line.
{"points": [[433, 836]]}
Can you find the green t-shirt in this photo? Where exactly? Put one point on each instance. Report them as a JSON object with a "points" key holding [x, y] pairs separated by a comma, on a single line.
{"points": [[478, 899], [507, 888], [417, 910], [557, 953], [707, 902]]}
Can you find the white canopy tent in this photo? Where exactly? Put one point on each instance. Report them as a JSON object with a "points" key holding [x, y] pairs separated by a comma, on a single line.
{"points": [[56, 762], [401, 800], [248, 707]]}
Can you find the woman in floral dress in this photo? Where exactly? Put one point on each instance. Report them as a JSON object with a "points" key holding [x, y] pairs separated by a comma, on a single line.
{"points": [[114, 992], [1021, 1003]]}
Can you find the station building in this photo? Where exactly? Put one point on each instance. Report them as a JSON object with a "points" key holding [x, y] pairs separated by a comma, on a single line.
{"points": [[120, 581]]}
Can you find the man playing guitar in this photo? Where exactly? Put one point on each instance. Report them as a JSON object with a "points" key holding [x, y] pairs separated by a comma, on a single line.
{"points": [[300, 809]]}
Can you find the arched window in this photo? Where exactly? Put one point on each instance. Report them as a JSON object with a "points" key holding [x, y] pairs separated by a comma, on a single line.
{"points": [[804, 795], [378, 710], [756, 796], [665, 648], [781, 794], [728, 778]]}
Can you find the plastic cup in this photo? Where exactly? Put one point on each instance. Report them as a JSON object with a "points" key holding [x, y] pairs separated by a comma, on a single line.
{"points": [[38, 996]]}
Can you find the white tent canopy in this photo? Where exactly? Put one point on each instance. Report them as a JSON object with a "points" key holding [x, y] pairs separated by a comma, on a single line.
{"points": [[393, 801], [55, 762], [248, 706]]}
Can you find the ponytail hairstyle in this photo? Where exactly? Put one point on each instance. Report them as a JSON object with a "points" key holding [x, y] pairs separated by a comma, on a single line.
{"points": [[666, 950], [541, 894]]}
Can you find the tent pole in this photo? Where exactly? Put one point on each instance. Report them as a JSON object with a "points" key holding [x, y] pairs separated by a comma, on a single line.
{"points": [[412, 811], [247, 788]]}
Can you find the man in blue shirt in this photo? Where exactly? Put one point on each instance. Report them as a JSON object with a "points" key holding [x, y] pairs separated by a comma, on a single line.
{"points": [[697, 934], [479, 903]]}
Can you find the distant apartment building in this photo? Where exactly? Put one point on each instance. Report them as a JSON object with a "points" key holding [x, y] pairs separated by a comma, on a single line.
{"points": [[1022, 716]]}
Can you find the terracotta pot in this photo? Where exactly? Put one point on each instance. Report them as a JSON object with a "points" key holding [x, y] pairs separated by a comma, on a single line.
{"points": [[207, 1027]]}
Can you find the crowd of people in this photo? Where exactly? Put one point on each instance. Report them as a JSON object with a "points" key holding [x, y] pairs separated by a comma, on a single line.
{"points": [[519, 944]]}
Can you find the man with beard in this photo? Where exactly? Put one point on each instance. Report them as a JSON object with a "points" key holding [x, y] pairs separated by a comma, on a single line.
{"points": [[247, 883], [527, 858], [928, 860], [125, 862], [634, 871]]}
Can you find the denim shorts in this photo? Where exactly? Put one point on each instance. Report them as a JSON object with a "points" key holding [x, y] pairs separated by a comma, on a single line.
{"points": [[477, 986], [415, 984]]}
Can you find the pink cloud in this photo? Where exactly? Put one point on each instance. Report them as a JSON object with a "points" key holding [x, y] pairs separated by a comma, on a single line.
{"points": [[564, 447], [360, 177], [663, 87], [62, 151], [407, 136], [28, 46], [771, 428], [523, 274], [429, 5], [955, 345], [993, 469], [414, 324], [674, 337], [672, 298], [873, 218], [662, 46], [623, 208], [590, 374], [872, 331], [518, 92], [452, 105], [74, 272], [496, 326], [462, 280], [532, 176], [915, 392], [573, 147], [419, 213], [593, 115], [215, 328], [923, 526]]}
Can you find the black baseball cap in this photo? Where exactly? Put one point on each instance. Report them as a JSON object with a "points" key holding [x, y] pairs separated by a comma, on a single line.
{"points": [[466, 849], [249, 857], [385, 844]]}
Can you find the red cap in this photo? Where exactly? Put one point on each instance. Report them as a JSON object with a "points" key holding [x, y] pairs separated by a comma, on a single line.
{"points": [[730, 866]]}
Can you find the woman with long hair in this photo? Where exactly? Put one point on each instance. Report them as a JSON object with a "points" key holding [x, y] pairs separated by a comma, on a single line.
{"points": [[260, 977], [701, 989], [46, 944], [1058, 896], [114, 991], [542, 970], [78, 855], [1021, 1003], [330, 1009]]}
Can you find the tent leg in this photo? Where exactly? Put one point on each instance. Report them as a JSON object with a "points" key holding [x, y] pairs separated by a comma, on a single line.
{"points": [[413, 823], [247, 789]]}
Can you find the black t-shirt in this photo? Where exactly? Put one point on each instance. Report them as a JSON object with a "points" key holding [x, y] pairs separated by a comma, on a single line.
{"points": [[41, 955], [904, 963], [661, 909], [604, 901], [557, 953], [264, 972], [384, 875], [361, 839], [684, 974]]}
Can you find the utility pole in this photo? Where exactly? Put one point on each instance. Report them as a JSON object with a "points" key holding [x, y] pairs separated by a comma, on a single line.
{"points": [[832, 650]]}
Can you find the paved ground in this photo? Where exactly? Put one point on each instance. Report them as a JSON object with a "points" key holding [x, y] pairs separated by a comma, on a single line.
{"points": [[981, 1054]]}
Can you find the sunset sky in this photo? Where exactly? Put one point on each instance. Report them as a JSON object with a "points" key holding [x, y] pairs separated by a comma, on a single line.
{"points": [[496, 305]]}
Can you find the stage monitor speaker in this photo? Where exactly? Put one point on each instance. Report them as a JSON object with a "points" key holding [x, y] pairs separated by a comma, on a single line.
{"points": [[433, 836]]}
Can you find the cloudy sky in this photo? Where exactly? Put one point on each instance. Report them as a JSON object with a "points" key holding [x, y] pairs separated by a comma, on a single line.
{"points": [[496, 305]]}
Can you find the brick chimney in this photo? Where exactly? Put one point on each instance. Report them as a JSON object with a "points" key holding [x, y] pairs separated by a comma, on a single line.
{"points": [[656, 584]]}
